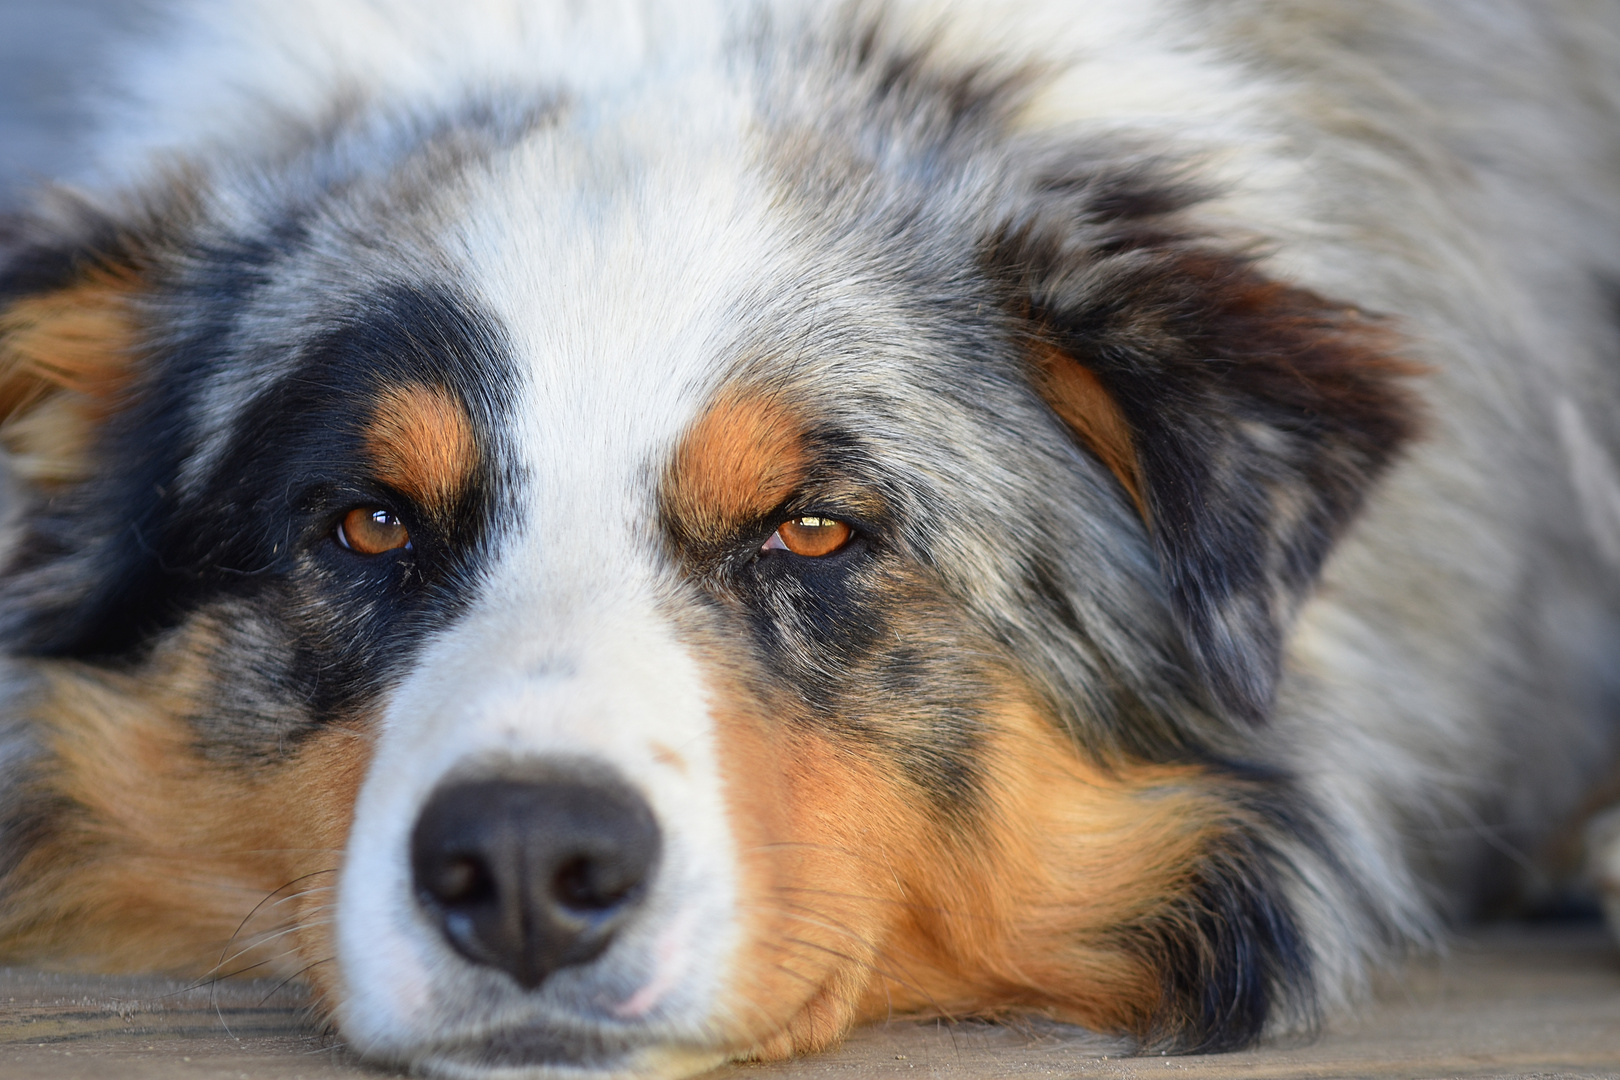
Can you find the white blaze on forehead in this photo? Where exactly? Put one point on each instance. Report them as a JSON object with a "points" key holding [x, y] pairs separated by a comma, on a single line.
{"points": [[623, 256], [622, 277]]}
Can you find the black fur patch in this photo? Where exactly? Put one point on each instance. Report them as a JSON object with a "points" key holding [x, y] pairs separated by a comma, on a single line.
{"points": [[1229, 953], [301, 631]]}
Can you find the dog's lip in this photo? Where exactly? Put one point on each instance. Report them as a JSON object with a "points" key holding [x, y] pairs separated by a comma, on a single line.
{"points": [[538, 1036], [573, 1050]]}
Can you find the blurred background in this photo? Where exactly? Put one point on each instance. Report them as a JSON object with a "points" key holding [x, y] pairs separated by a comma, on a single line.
{"points": [[52, 53]]}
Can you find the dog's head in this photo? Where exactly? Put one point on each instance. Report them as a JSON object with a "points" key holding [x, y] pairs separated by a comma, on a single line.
{"points": [[612, 587]]}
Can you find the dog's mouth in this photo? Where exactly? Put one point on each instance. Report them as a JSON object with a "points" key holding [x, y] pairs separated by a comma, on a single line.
{"points": [[540, 1050], [579, 1023]]}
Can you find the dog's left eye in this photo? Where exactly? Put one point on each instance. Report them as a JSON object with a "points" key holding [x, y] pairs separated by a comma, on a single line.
{"points": [[368, 530], [812, 537]]}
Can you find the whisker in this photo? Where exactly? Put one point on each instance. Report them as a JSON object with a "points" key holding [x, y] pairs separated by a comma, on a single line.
{"points": [[300, 894], [213, 980], [903, 978], [829, 849], [860, 857], [264, 939], [784, 969], [770, 1022], [894, 971], [248, 917], [293, 976], [908, 905]]}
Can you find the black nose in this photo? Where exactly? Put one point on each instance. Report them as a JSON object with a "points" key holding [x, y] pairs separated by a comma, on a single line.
{"points": [[534, 874]]}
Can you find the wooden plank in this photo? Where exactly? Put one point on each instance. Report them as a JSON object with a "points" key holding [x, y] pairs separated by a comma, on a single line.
{"points": [[1518, 1002]]}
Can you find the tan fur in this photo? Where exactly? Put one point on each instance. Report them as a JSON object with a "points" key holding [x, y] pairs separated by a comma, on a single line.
{"points": [[65, 360], [160, 857], [860, 905], [420, 441], [741, 459]]}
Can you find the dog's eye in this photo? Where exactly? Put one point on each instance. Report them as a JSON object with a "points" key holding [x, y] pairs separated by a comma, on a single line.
{"points": [[809, 536], [370, 531]]}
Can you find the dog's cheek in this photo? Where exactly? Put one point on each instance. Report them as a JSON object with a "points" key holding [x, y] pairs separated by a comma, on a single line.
{"points": [[1021, 912], [1049, 907], [859, 900], [823, 836], [1139, 899], [1102, 896], [159, 855]]}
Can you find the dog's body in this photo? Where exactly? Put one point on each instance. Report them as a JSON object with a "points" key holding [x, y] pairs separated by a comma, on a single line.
{"points": [[616, 536]]}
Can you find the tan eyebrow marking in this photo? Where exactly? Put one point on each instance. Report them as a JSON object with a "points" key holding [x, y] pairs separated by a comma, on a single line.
{"points": [[420, 441], [740, 460]]}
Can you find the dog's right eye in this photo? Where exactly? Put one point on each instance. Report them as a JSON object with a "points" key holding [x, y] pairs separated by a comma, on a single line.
{"points": [[369, 530], [811, 537]]}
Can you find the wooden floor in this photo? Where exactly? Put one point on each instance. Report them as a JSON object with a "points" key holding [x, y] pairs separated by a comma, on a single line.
{"points": [[1523, 1002]]}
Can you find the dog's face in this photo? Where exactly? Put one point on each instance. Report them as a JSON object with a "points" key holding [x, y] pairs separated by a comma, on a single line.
{"points": [[603, 590]]}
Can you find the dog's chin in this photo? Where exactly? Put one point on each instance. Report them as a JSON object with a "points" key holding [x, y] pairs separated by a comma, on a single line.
{"points": [[538, 1054], [536, 1049], [536, 1046]]}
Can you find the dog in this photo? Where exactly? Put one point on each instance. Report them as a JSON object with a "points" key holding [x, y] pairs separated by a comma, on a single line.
{"points": [[608, 538]]}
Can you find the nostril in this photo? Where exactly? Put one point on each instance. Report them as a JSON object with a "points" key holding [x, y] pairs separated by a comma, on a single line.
{"points": [[459, 879], [583, 885]]}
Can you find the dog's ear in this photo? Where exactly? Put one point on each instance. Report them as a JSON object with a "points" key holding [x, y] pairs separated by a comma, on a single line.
{"points": [[67, 341], [1244, 417]]}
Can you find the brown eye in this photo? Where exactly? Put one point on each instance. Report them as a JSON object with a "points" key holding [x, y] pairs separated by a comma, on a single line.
{"points": [[809, 536], [371, 531]]}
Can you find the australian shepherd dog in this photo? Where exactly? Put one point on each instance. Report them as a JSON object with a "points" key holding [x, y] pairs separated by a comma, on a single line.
{"points": [[610, 537]]}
